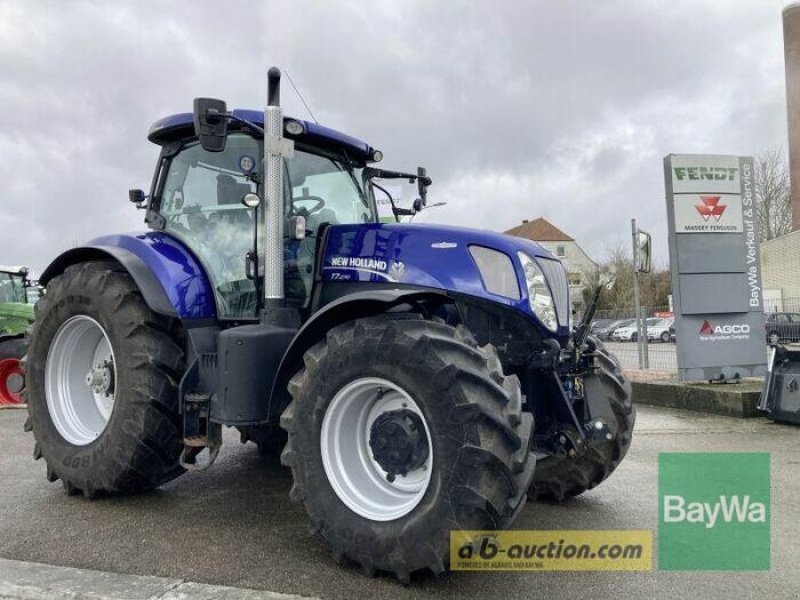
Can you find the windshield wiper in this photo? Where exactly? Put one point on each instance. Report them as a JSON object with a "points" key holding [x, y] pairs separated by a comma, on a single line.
{"points": [[351, 171]]}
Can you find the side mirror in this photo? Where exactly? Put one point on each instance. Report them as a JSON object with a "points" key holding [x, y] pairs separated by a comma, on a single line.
{"points": [[136, 196], [643, 251], [210, 123], [418, 205]]}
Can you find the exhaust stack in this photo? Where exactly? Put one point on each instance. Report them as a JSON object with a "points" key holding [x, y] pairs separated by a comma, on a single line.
{"points": [[275, 149]]}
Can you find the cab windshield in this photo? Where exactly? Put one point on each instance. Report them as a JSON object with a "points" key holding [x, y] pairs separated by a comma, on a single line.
{"points": [[200, 201], [12, 288]]}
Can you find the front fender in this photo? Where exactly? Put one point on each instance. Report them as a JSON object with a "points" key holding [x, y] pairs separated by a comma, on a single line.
{"points": [[347, 308], [170, 278]]}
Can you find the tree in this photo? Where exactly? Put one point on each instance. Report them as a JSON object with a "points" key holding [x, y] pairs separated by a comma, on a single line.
{"points": [[773, 194], [618, 302]]}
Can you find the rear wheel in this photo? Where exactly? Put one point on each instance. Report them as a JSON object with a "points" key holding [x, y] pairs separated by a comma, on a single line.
{"points": [[402, 430], [11, 353], [102, 373], [665, 337], [560, 477]]}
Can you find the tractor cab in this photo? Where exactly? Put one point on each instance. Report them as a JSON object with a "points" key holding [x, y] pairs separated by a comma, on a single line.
{"points": [[13, 285], [199, 197], [16, 299]]}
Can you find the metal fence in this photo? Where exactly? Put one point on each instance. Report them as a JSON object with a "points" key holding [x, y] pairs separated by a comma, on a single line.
{"points": [[653, 348], [617, 328], [782, 322]]}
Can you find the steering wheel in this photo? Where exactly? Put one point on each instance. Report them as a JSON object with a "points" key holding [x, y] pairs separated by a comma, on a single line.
{"points": [[305, 197]]}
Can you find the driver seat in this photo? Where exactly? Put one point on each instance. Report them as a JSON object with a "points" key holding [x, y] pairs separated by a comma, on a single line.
{"points": [[313, 221], [229, 192]]}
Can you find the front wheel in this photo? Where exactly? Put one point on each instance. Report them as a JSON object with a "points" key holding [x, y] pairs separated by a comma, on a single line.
{"points": [[665, 337], [561, 477], [402, 430], [102, 373]]}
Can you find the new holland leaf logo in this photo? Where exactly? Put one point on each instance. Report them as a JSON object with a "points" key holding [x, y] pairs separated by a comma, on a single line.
{"points": [[710, 207]]}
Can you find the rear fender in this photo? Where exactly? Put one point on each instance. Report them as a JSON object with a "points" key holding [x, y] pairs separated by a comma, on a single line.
{"points": [[170, 278]]}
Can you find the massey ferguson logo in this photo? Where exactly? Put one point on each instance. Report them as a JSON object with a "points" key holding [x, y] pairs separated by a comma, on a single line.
{"points": [[735, 331], [710, 207]]}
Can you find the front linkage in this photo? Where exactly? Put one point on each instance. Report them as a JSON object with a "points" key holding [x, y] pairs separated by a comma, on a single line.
{"points": [[593, 414]]}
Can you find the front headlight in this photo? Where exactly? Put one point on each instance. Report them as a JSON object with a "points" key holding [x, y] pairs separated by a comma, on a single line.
{"points": [[539, 296]]}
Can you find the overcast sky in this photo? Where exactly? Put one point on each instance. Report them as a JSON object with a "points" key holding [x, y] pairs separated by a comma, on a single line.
{"points": [[519, 109]]}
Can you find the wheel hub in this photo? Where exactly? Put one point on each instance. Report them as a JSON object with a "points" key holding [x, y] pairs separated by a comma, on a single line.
{"points": [[364, 411], [398, 442], [101, 378], [80, 380]]}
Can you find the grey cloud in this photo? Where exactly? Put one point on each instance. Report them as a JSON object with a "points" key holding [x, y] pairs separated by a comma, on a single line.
{"points": [[519, 109]]}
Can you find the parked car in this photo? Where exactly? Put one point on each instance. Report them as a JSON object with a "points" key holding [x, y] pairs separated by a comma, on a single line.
{"points": [[782, 327], [628, 333], [599, 324], [604, 332], [660, 331]]}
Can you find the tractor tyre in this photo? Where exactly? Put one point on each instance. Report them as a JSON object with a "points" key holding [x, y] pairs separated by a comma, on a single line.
{"points": [[402, 430], [560, 477], [11, 353], [102, 374]]}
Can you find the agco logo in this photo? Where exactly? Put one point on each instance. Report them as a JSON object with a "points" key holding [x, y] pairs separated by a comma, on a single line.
{"points": [[724, 330], [710, 208]]}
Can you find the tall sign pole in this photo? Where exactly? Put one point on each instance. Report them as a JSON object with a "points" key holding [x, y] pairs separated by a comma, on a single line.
{"points": [[636, 299], [641, 264], [716, 271]]}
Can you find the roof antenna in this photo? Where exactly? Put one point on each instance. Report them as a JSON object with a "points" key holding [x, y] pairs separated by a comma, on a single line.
{"points": [[299, 95]]}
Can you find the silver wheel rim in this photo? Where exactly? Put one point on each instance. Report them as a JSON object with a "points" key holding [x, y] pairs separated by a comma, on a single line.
{"points": [[80, 380], [358, 480]]}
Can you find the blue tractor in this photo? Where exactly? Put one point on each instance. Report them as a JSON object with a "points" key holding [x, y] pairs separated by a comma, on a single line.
{"points": [[416, 379]]}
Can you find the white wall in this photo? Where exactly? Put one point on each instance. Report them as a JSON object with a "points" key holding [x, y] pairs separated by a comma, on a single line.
{"points": [[780, 267]]}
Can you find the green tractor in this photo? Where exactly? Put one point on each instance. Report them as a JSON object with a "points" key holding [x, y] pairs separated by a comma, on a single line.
{"points": [[17, 296]]}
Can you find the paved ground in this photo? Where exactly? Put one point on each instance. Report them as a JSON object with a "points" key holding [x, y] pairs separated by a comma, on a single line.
{"points": [[233, 525], [22, 580]]}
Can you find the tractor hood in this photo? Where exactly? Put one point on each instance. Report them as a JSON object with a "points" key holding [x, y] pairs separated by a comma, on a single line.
{"points": [[441, 257]]}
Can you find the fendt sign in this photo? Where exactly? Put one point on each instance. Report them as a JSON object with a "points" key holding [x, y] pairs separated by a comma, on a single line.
{"points": [[716, 279]]}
